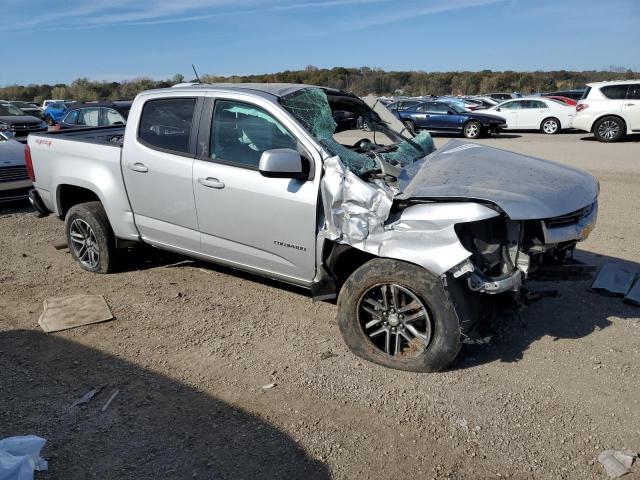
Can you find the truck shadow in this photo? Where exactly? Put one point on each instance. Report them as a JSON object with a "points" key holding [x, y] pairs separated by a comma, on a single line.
{"points": [[574, 314], [156, 427]]}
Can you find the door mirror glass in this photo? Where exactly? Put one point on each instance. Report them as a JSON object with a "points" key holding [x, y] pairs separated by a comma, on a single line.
{"points": [[283, 163], [497, 109]]}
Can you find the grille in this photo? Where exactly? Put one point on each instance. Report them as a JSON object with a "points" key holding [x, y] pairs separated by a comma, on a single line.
{"points": [[25, 128], [568, 219], [13, 174]]}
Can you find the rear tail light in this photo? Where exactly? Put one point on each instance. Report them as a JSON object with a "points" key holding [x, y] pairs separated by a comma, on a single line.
{"points": [[581, 106], [29, 163]]}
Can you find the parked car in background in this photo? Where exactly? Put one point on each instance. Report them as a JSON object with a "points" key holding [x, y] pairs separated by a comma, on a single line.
{"points": [[566, 100], [402, 104], [95, 115], [444, 117], [499, 96], [486, 102], [14, 120], [29, 108], [610, 110], [576, 94], [464, 102], [14, 179], [46, 103], [54, 112], [534, 113]]}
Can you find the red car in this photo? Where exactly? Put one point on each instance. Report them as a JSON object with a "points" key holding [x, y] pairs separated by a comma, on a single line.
{"points": [[566, 100]]}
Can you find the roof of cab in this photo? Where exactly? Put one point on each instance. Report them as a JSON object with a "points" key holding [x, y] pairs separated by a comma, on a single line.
{"points": [[275, 89]]}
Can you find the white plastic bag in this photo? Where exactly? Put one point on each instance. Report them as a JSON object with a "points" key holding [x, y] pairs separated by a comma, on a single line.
{"points": [[20, 456]]}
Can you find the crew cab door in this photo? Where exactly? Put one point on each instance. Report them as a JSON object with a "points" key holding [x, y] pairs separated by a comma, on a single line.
{"points": [[157, 166], [267, 225]]}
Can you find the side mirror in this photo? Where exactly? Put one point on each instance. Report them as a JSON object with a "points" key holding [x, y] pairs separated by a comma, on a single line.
{"points": [[283, 163], [498, 109]]}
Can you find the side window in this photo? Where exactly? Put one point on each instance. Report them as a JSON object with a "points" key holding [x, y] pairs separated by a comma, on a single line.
{"points": [[420, 108], [634, 91], [439, 108], [615, 92], [511, 106], [535, 104], [71, 118], [89, 117], [166, 123], [113, 117], [240, 133]]}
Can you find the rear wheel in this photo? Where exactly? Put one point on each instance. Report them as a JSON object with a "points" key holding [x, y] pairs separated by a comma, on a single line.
{"points": [[609, 129], [550, 126], [90, 238], [472, 130], [398, 315]]}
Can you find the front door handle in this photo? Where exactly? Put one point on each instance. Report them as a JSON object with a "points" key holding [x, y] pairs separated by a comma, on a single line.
{"points": [[629, 104], [211, 182], [139, 167]]}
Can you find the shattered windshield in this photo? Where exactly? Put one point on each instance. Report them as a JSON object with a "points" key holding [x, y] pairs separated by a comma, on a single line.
{"points": [[345, 126]]}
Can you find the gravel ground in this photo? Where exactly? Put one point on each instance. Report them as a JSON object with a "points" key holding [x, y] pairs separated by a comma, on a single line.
{"points": [[193, 345]]}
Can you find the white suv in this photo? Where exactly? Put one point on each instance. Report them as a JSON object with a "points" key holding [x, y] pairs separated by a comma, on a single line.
{"points": [[609, 110]]}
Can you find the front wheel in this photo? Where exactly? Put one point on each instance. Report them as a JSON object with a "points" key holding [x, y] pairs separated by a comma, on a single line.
{"points": [[472, 130], [399, 315], [90, 238], [550, 126]]}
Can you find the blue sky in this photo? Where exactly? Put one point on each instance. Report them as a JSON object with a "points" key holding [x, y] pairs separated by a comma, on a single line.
{"points": [[49, 41]]}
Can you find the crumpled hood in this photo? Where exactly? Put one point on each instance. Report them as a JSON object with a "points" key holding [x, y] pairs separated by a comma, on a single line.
{"points": [[525, 188]]}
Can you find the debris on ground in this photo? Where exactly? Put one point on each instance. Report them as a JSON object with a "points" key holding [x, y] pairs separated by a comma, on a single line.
{"points": [[63, 313], [113, 395], [269, 386], [328, 354], [614, 279], [20, 457], [86, 398], [617, 463], [61, 245]]}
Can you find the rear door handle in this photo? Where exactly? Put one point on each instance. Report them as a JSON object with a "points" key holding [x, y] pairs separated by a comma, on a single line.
{"points": [[139, 167], [211, 182], [629, 104]]}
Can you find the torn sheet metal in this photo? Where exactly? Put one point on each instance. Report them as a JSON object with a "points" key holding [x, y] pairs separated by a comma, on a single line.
{"points": [[357, 213], [633, 297], [525, 188], [385, 114], [614, 279]]}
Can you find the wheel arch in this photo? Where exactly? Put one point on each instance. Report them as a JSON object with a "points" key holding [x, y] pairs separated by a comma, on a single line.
{"points": [[616, 115]]}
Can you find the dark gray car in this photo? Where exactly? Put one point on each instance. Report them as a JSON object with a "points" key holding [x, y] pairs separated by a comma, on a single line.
{"points": [[14, 120]]}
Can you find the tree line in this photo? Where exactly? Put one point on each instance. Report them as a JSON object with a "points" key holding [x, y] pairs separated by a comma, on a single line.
{"points": [[361, 81]]}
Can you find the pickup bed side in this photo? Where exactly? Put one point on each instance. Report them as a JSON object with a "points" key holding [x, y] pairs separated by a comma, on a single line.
{"points": [[77, 166]]}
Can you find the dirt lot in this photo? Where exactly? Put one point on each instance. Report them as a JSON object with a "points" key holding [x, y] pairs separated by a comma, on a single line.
{"points": [[193, 344]]}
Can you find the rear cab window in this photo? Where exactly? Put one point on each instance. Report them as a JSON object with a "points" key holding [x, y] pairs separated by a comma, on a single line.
{"points": [[166, 124]]}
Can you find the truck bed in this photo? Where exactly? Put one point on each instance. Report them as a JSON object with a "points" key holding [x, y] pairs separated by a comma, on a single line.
{"points": [[104, 135]]}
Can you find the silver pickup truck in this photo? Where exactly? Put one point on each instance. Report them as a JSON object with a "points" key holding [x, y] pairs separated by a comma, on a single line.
{"points": [[317, 188]]}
